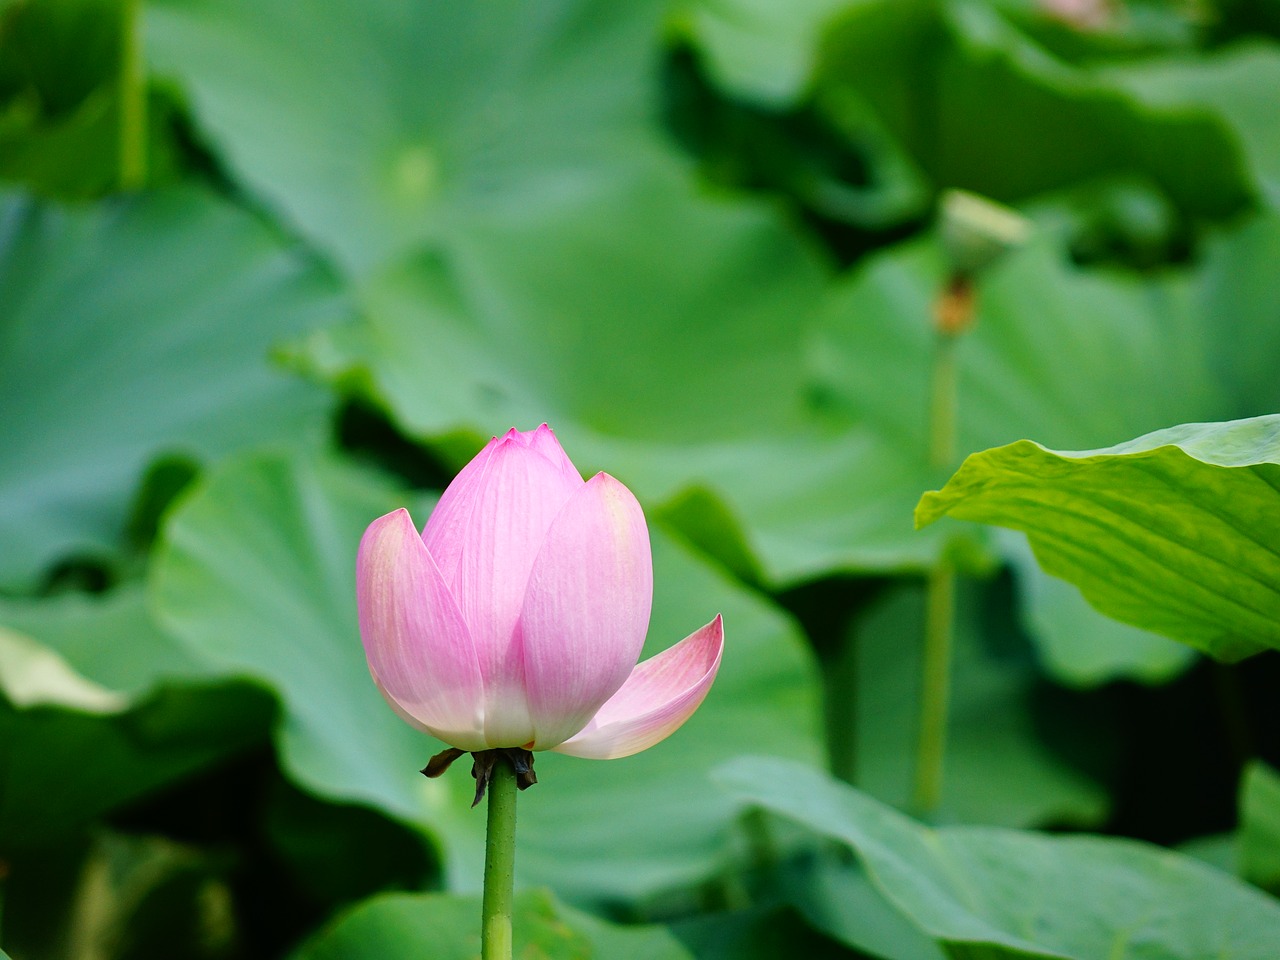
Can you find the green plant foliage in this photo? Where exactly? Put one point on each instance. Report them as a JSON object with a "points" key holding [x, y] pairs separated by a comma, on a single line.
{"points": [[811, 477], [1225, 87], [1173, 532], [59, 98], [1079, 645], [965, 86], [1056, 351], [339, 853], [755, 934], [134, 329], [986, 893], [1238, 293], [1076, 356], [73, 750], [138, 897], [531, 113], [759, 50], [395, 926], [100, 707], [836, 896], [702, 240], [998, 770], [255, 573], [110, 639], [1259, 838]]}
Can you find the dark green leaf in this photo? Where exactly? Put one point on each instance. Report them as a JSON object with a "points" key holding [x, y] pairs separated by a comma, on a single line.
{"points": [[837, 897], [1078, 645], [71, 750], [987, 894], [998, 770], [754, 934], [1259, 838], [971, 95], [119, 897], [448, 928]]}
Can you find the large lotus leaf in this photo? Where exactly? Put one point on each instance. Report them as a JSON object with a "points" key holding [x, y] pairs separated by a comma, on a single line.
{"points": [[377, 127], [761, 49], [255, 571], [1177, 531], [407, 926], [130, 329], [836, 896], [110, 640], [766, 51], [99, 707], [1077, 644], [1259, 838], [72, 749], [998, 771], [1239, 88], [980, 104], [990, 894], [687, 327], [1238, 290]]}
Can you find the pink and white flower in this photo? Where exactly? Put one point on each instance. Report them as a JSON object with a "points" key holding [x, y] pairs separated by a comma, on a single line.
{"points": [[516, 618]]}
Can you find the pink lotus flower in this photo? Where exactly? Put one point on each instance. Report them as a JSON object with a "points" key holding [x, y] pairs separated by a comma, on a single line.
{"points": [[515, 619]]}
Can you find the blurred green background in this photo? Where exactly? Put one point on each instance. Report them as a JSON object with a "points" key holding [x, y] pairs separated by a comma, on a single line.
{"points": [[269, 269]]}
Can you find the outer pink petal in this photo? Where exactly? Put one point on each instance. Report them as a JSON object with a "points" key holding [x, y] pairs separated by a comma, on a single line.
{"points": [[445, 531], [543, 440], [417, 644], [659, 696], [516, 498], [586, 611]]}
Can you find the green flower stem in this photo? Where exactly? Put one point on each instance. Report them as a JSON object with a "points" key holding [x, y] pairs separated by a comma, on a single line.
{"points": [[940, 589], [943, 403], [133, 100], [499, 864]]}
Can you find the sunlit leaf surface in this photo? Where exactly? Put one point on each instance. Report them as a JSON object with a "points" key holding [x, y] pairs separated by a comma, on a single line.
{"points": [[1177, 531]]}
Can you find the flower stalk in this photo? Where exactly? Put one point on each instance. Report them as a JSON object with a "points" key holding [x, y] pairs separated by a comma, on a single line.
{"points": [[940, 587], [132, 156], [499, 863], [975, 234]]}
